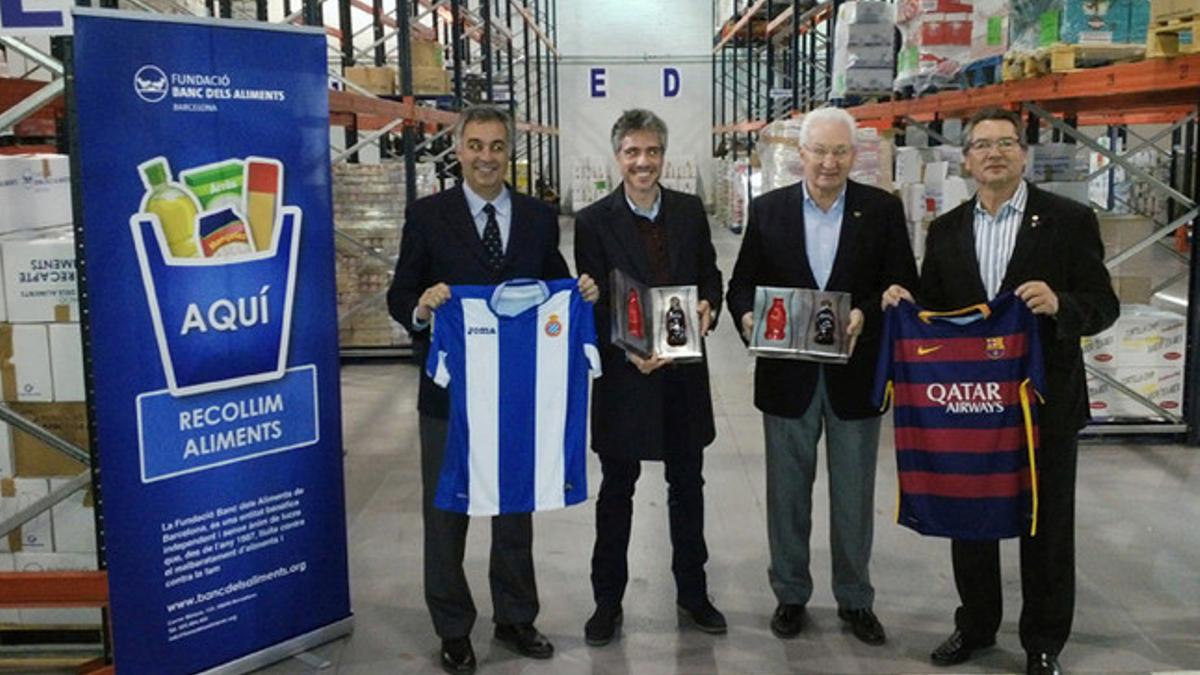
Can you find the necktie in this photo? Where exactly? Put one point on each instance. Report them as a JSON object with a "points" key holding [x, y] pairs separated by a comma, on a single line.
{"points": [[491, 238]]}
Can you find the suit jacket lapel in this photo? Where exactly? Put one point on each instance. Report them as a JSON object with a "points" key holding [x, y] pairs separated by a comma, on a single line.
{"points": [[676, 233], [520, 234], [460, 223], [626, 230], [795, 205], [964, 241]]}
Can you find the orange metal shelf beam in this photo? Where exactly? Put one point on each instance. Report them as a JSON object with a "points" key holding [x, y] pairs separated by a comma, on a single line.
{"points": [[53, 589], [13, 90], [1143, 87], [786, 15], [740, 127], [739, 25], [369, 112]]}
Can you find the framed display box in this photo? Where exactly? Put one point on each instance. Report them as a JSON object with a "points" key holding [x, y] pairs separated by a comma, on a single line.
{"points": [[801, 323], [659, 320]]}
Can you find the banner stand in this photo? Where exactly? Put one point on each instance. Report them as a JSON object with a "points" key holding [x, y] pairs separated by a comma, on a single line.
{"points": [[285, 649]]}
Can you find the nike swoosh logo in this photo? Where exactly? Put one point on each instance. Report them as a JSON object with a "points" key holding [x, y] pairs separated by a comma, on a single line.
{"points": [[922, 351]]}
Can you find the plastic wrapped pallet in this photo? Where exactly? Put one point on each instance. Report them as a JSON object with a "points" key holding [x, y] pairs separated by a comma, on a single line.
{"points": [[989, 28], [863, 53], [779, 151], [1036, 24], [935, 44], [872, 159]]}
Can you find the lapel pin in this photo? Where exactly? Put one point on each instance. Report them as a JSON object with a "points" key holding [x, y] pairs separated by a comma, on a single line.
{"points": [[858, 214], [1035, 221]]}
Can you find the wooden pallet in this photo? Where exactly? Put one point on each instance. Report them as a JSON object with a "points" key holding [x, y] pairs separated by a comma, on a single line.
{"points": [[1062, 58], [1173, 38]]}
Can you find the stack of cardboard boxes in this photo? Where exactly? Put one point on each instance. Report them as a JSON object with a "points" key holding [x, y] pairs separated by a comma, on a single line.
{"points": [[41, 377], [1143, 351]]}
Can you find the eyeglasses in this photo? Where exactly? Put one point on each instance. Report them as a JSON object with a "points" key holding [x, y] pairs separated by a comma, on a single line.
{"points": [[1001, 144], [820, 152]]}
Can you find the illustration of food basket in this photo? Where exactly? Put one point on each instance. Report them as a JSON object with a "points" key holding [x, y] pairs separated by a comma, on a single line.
{"points": [[219, 322]]}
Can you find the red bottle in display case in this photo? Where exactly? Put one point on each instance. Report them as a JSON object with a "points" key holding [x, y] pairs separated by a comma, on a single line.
{"points": [[633, 310], [776, 321]]}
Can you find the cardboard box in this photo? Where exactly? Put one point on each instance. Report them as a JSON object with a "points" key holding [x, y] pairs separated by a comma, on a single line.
{"points": [[16, 494], [430, 80], [25, 363], [379, 80], [426, 54], [1143, 336], [1162, 385], [910, 165], [66, 362], [35, 191], [74, 520], [39, 280], [57, 562], [31, 457], [1164, 10]]}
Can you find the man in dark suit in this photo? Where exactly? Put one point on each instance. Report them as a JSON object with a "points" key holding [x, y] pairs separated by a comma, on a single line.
{"points": [[649, 408], [831, 233], [1015, 237], [477, 233]]}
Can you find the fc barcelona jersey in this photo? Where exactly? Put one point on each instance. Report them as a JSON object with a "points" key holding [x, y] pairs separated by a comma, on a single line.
{"points": [[962, 385]]}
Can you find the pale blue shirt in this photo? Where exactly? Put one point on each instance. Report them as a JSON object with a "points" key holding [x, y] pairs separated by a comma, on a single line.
{"points": [[996, 237], [650, 213], [821, 232], [503, 205]]}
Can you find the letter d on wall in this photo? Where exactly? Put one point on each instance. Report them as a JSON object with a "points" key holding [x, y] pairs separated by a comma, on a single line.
{"points": [[670, 83], [596, 83]]}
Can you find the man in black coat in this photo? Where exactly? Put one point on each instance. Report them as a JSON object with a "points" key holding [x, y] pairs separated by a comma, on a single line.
{"points": [[648, 408], [480, 232], [1015, 237], [830, 233]]}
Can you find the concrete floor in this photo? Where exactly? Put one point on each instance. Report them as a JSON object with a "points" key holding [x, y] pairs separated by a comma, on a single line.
{"points": [[1138, 553]]}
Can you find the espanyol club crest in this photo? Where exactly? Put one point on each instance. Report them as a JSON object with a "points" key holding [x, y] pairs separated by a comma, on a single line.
{"points": [[994, 347], [553, 326]]}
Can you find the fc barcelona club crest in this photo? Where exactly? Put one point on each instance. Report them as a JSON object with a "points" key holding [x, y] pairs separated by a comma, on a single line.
{"points": [[994, 347], [553, 326]]}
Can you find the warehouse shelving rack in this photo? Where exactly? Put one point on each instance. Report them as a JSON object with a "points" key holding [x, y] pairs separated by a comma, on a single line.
{"points": [[1118, 97]]}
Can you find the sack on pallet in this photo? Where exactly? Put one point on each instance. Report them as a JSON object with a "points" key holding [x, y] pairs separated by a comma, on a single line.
{"points": [[935, 45], [989, 29]]}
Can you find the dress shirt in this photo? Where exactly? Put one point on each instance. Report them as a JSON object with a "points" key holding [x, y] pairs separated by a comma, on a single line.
{"points": [[821, 232], [995, 238]]}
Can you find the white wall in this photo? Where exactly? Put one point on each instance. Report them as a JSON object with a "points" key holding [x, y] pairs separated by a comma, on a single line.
{"points": [[634, 42]]}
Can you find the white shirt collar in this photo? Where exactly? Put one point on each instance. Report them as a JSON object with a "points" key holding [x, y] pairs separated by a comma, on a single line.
{"points": [[502, 203]]}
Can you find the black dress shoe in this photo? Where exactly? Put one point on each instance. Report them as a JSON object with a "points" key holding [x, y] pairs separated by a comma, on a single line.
{"points": [[457, 656], [600, 629], [524, 639], [787, 621], [958, 648], [1042, 663], [864, 624], [706, 617]]}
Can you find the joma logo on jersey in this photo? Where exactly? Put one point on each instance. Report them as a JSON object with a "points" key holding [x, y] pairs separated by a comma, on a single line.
{"points": [[967, 397], [553, 326], [994, 347], [480, 330]]}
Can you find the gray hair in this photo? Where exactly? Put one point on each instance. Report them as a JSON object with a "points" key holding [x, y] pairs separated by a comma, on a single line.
{"points": [[991, 114], [485, 113], [638, 119], [827, 114]]}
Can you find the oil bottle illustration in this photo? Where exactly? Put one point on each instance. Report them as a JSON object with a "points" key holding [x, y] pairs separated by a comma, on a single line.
{"points": [[825, 324], [173, 204], [633, 310], [676, 324]]}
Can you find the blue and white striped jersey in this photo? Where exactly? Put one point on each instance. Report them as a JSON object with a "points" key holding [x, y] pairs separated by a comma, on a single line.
{"points": [[517, 359]]}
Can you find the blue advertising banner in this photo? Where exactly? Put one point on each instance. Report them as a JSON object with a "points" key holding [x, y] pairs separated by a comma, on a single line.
{"points": [[203, 154]]}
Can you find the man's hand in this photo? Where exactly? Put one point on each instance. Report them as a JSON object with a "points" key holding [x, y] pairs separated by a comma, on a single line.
{"points": [[435, 296], [647, 366], [588, 288], [705, 311], [855, 327], [748, 325], [894, 294], [1038, 297]]}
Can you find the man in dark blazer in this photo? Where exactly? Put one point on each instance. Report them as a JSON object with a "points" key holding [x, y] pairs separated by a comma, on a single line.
{"points": [[480, 232], [831, 233], [1015, 237], [649, 409]]}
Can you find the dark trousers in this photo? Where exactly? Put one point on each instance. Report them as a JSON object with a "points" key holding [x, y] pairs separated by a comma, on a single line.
{"points": [[614, 518], [510, 571], [1047, 562]]}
